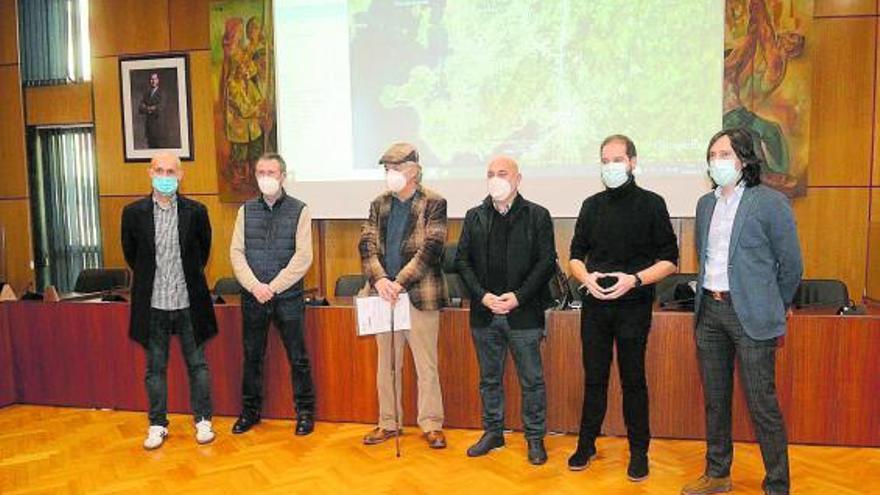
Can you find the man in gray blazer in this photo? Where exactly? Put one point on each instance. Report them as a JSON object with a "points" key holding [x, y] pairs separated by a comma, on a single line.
{"points": [[750, 267]]}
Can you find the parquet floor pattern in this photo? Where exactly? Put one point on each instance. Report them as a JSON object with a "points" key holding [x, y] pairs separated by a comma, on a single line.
{"points": [[47, 450]]}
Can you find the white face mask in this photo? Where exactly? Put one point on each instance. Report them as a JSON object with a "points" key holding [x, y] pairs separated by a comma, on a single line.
{"points": [[614, 174], [499, 188], [723, 171], [268, 185], [395, 180]]}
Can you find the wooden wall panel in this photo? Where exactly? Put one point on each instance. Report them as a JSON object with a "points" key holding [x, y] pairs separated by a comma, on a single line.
{"points": [[115, 176], [14, 218], [67, 104], [340, 250], [12, 150], [111, 221], [8, 32], [687, 248], [873, 273], [875, 166], [842, 110], [128, 26], [834, 239], [188, 21], [824, 8]]}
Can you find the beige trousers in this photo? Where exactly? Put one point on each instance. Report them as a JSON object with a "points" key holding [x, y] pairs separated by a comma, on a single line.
{"points": [[422, 339]]}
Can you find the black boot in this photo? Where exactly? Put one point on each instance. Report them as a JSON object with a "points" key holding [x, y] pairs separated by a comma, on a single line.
{"points": [[537, 453], [487, 443]]}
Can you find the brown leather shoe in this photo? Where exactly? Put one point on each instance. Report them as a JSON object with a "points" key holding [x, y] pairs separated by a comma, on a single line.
{"points": [[379, 435], [436, 439], [707, 485]]}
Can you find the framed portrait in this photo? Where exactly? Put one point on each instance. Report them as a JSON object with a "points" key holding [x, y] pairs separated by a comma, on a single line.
{"points": [[156, 110]]}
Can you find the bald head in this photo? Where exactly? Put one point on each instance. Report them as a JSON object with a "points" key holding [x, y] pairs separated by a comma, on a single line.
{"points": [[503, 163], [164, 164], [505, 168]]}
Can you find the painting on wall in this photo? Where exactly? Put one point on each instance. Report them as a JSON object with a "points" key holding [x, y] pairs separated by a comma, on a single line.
{"points": [[767, 82], [156, 113], [243, 82]]}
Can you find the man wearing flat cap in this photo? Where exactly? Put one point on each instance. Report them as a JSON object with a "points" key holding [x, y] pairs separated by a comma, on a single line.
{"points": [[401, 250]]}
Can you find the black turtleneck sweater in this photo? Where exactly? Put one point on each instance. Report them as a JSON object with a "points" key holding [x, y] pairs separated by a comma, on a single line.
{"points": [[626, 229]]}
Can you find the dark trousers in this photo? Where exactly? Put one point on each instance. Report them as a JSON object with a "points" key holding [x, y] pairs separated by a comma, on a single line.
{"points": [[162, 325], [627, 325], [721, 340], [255, 319], [491, 344]]}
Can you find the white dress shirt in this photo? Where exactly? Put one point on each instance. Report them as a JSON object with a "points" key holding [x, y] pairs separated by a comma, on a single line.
{"points": [[718, 246]]}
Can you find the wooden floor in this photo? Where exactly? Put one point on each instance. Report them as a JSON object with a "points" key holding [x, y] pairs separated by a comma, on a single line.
{"points": [[60, 450]]}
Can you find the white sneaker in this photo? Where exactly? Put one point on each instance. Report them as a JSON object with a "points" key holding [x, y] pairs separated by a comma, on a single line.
{"points": [[155, 437], [204, 432]]}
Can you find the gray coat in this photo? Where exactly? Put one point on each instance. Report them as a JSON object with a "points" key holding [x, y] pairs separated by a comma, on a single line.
{"points": [[764, 264]]}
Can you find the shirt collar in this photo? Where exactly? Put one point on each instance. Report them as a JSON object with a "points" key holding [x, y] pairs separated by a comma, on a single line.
{"points": [[505, 209], [277, 201], [171, 204], [737, 193]]}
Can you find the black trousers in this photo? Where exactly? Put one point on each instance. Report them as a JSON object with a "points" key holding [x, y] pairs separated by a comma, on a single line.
{"points": [[627, 326], [255, 320]]}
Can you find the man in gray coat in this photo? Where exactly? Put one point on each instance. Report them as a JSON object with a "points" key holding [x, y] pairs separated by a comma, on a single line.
{"points": [[750, 267]]}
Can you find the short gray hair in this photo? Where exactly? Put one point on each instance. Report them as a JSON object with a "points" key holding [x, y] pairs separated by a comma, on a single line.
{"points": [[275, 156]]}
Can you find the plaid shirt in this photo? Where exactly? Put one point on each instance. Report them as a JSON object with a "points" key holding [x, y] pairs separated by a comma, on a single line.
{"points": [[421, 251], [169, 285]]}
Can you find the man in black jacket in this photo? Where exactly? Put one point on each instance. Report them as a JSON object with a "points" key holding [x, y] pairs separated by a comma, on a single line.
{"points": [[506, 256], [623, 244], [166, 239]]}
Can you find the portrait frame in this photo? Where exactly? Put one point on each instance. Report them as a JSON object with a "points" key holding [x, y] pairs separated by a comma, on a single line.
{"points": [[156, 118]]}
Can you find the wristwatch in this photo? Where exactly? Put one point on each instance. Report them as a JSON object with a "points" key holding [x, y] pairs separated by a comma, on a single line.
{"points": [[638, 280]]}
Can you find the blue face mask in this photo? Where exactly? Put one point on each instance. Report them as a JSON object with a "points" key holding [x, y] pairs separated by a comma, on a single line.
{"points": [[723, 171], [614, 174], [165, 185]]}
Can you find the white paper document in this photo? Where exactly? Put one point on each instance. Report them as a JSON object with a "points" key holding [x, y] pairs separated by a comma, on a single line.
{"points": [[374, 314]]}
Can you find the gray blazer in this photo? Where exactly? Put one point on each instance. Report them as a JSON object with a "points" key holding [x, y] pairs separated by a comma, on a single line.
{"points": [[764, 266]]}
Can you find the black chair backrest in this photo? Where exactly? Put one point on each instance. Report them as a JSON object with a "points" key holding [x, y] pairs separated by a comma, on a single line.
{"points": [[227, 286], [574, 288], [455, 288], [821, 292], [101, 279], [665, 290], [349, 285]]}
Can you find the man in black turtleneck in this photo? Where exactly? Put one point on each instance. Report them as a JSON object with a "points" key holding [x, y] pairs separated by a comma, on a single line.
{"points": [[623, 244]]}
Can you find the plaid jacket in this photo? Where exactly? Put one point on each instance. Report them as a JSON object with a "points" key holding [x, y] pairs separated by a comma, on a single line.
{"points": [[421, 251]]}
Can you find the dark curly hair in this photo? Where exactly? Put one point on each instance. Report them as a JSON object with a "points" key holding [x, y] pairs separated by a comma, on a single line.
{"points": [[747, 149]]}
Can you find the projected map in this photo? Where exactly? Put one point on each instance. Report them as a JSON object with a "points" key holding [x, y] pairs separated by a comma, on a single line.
{"points": [[542, 80]]}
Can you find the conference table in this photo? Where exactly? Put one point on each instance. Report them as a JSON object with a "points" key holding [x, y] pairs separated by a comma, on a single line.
{"points": [[78, 354]]}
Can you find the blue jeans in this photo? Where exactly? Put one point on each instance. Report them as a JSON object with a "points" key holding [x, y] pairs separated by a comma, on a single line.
{"points": [[491, 344], [162, 325]]}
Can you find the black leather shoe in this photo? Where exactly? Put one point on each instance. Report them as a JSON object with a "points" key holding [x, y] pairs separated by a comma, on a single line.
{"points": [[487, 443], [305, 424], [537, 453], [581, 458], [638, 467], [244, 423]]}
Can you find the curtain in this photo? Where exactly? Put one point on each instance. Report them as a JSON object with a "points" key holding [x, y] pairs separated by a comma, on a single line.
{"points": [[53, 38], [67, 227]]}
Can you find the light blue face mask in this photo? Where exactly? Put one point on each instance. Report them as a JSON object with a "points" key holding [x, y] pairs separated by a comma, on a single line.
{"points": [[723, 171], [614, 174], [165, 185]]}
